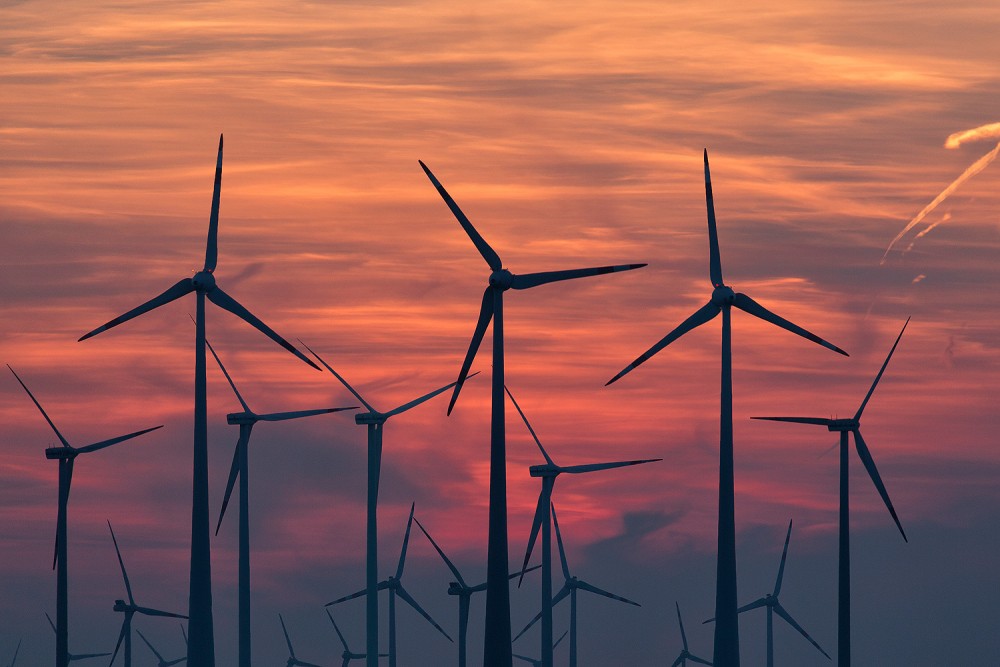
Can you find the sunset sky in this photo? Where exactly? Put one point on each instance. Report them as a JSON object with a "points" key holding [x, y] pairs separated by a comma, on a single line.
{"points": [[571, 134]]}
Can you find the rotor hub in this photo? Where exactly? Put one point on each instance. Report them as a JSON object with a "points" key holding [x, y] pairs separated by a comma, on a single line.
{"points": [[203, 281], [501, 278], [723, 295]]}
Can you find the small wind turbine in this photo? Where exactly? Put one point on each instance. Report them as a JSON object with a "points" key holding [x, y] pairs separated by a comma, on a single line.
{"points": [[496, 645], [240, 468], [73, 657], [201, 648], [685, 654], [395, 586], [130, 609], [18, 649], [348, 654], [161, 661], [292, 660], [727, 629], [569, 589], [541, 663], [845, 426], [548, 472], [66, 455], [464, 593], [375, 421]]}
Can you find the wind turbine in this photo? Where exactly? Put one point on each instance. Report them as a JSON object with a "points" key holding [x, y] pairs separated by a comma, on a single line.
{"points": [[66, 455], [73, 657], [375, 421], [130, 609], [845, 426], [773, 605], [348, 655], [569, 589], [161, 661], [17, 650], [541, 663], [464, 593], [497, 642], [395, 586], [201, 648], [727, 631], [548, 472], [240, 468], [685, 654], [292, 660]]}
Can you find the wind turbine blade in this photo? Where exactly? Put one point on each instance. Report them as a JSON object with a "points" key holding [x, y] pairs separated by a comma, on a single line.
{"points": [[230, 379], [291, 651], [488, 253], [680, 622], [583, 585], [234, 472], [426, 397], [756, 604], [51, 624], [878, 377], [548, 459], [13, 661], [155, 652], [714, 259], [798, 420], [780, 611], [485, 316], [591, 467], [40, 409], [529, 280], [781, 567], [114, 441], [84, 656], [700, 661], [339, 377], [352, 596], [406, 541], [121, 638], [748, 305], [679, 661], [526, 659], [179, 289], [401, 592], [562, 552], [866, 458], [519, 573], [226, 302], [536, 524], [447, 561], [561, 637], [212, 246], [285, 416], [556, 599], [700, 316], [170, 663], [128, 586], [534, 620], [339, 633]]}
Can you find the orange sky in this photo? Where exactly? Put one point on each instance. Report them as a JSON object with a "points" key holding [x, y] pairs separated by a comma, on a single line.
{"points": [[571, 136]]}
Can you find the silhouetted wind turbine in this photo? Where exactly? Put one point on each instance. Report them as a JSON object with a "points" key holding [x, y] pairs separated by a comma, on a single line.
{"points": [[394, 584], [773, 605], [497, 649], [727, 631], [845, 426], [348, 654], [541, 663], [292, 660], [161, 661], [685, 654], [464, 593], [17, 650], [73, 657], [548, 472], [66, 455], [201, 648], [570, 587], [130, 609], [375, 421], [240, 468]]}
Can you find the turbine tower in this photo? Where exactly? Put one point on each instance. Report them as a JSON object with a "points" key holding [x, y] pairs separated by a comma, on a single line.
{"points": [[497, 641], [73, 657], [845, 426], [348, 654], [201, 647], [548, 472], [375, 421], [727, 631], [240, 468], [685, 654], [66, 455]]}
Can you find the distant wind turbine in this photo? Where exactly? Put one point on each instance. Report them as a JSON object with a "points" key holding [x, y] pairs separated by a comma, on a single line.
{"points": [[348, 654], [240, 468], [66, 455], [727, 631], [201, 648], [18, 649], [548, 472], [394, 584], [375, 421], [292, 660], [539, 663], [845, 426], [685, 654], [161, 661], [569, 589], [73, 657], [497, 641]]}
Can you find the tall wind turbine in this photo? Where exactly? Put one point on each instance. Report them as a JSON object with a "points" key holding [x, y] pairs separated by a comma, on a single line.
{"points": [[569, 589], [727, 631], [685, 654], [463, 592], [348, 654], [130, 609], [773, 605], [375, 421], [73, 657], [240, 468], [497, 649], [845, 426], [395, 586], [160, 660], [293, 661], [201, 647], [66, 455], [548, 472]]}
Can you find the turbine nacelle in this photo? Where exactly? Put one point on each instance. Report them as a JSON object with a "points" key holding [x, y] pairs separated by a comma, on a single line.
{"points": [[501, 278], [544, 470], [120, 606], [723, 295], [60, 453], [369, 418], [839, 425], [203, 281], [241, 418], [455, 588]]}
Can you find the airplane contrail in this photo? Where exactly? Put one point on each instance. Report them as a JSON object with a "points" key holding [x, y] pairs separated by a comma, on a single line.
{"points": [[955, 140]]}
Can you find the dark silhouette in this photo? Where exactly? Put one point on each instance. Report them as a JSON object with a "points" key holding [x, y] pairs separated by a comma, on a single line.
{"points": [[348, 654], [72, 657], [17, 650], [292, 660], [540, 663], [160, 660], [685, 654]]}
